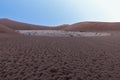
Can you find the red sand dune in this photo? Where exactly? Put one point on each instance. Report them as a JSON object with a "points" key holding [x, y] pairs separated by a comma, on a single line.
{"points": [[82, 26], [20, 25], [94, 26], [61, 27]]}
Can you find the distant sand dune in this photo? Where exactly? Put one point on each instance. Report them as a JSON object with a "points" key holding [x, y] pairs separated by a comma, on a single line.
{"points": [[81, 26], [94, 26], [20, 25]]}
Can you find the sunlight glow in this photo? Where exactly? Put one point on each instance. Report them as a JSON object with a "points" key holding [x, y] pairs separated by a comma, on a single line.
{"points": [[110, 8]]}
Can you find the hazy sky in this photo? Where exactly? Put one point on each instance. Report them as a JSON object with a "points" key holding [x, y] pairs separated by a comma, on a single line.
{"points": [[54, 12]]}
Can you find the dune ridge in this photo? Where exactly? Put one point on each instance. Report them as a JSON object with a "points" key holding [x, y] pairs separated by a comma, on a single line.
{"points": [[15, 25], [94, 26], [87, 26]]}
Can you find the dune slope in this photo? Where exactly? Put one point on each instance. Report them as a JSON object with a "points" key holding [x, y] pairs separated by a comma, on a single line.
{"points": [[4, 29], [81, 26], [20, 25], [94, 26]]}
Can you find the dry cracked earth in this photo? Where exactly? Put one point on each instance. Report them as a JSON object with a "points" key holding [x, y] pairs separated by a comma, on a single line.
{"points": [[59, 58]]}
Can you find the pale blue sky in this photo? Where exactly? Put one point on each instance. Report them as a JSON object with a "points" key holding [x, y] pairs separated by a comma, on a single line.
{"points": [[55, 12]]}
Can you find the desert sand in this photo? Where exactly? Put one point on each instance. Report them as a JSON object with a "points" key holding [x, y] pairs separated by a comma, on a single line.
{"points": [[29, 57], [59, 58]]}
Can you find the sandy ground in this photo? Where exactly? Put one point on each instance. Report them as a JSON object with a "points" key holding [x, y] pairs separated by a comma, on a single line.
{"points": [[59, 58]]}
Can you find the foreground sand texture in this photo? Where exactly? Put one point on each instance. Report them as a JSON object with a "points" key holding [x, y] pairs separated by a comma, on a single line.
{"points": [[59, 58]]}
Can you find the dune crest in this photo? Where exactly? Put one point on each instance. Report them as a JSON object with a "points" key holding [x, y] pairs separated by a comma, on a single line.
{"points": [[15, 25], [94, 26], [81, 26]]}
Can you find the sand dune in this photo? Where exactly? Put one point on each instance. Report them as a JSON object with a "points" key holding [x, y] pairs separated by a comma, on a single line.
{"points": [[82, 26], [20, 25], [94, 26]]}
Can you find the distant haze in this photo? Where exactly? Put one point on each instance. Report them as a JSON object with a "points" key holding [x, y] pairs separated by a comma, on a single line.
{"points": [[55, 12]]}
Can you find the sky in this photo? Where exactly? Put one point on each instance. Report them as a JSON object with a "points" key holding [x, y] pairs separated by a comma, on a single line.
{"points": [[56, 12]]}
